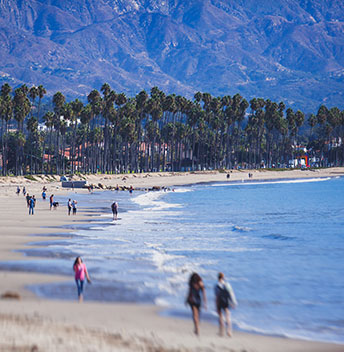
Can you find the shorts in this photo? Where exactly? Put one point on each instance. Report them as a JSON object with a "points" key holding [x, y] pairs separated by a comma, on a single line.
{"points": [[222, 306], [194, 304]]}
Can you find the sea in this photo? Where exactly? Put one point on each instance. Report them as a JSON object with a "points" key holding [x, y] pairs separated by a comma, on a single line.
{"points": [[279, 243]]}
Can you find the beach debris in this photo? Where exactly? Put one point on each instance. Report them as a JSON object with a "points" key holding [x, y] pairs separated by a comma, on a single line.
{"points": [[11, 295]]}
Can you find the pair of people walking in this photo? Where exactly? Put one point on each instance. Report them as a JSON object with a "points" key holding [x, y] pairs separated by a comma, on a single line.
{"points": [[72, 205], [224, 300]]}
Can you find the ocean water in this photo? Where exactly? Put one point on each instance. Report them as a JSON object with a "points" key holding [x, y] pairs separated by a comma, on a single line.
{"points": [[280, 244]]}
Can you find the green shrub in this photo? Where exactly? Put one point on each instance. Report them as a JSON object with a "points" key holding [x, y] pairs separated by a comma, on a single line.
{"points": [[30, 177]]}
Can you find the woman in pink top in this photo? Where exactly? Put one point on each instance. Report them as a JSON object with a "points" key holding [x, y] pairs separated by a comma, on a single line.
{"points": [[80, 273]]}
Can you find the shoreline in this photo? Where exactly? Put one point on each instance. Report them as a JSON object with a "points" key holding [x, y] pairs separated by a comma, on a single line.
{"points": [[168, 332]]}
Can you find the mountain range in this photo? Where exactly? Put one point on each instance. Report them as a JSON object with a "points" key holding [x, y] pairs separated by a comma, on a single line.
{"points": [[284, 50]]}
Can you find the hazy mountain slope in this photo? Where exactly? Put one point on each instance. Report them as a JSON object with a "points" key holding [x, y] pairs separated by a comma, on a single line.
{"points": [[286, 49]]}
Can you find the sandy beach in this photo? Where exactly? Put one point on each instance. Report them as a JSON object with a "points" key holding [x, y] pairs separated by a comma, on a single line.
{"points": [[34, 324]]}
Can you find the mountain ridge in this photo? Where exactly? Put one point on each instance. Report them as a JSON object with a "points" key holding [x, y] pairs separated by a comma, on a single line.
{"points": [[286, 50]]}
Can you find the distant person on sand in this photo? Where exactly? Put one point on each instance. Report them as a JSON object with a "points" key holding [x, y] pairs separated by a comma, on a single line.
{"points": [[51, 200], [114, 208], [28, 197], [44, 195], [24, 191], [224, 300], [81, 272], [196, 287], [69, 205], [32, 204], [74, 203], [18, 190]]}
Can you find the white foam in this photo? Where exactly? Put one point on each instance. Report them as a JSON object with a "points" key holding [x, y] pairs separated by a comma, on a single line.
{"points": [[229, 250], [161, 302], [242, 228], [151, 200], [279, 331], [183, 190], [250, 183]]}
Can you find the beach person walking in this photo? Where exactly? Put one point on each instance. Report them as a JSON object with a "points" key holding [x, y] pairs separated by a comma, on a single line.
{"points": [[51, 201], [196, 287], [224, 300], [81, 272], [28, 197], [32, 204], [74, 203], [18, 190], [69, 205], [24, 191], [114, 208], [44, 195]]}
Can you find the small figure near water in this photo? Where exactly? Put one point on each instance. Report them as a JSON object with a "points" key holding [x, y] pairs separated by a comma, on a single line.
{"points": [[114, 208], [51, 201], [74, 203], [18, 191], [81, 272], [28, 197], [44, 195], [32, 204], [69, 205], [24, 191], [196, 287], [224, 300]]}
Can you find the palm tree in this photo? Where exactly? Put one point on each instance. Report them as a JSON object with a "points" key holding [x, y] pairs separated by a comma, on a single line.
{"points": [[58, 101], [41, 92], [255, 128], [49, 123], [74, 116], [33, 94], [6, 113], [109, 97], [85, 118], [21, 108], [154, 109], [141, 100], [33, 148]]}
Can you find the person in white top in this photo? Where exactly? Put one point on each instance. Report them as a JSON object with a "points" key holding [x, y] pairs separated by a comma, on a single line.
{"points": [[224, 300]]}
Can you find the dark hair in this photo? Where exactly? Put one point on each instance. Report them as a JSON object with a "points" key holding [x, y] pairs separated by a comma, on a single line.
{"points": [[220, 276], [76, 261], [194, 279]]}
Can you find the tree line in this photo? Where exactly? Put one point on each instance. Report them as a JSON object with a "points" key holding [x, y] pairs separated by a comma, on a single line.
{"points": [[113, 133]]}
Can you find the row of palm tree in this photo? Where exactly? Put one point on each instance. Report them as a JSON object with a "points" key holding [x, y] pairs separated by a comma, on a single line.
{"points": [[113, 133]]}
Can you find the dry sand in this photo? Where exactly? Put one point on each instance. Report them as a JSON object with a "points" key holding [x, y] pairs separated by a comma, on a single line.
{"points": [[34, 324]]}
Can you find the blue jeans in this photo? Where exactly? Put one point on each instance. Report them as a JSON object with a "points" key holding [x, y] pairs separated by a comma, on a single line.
{"points": [[31, 210], [80, 286]]}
